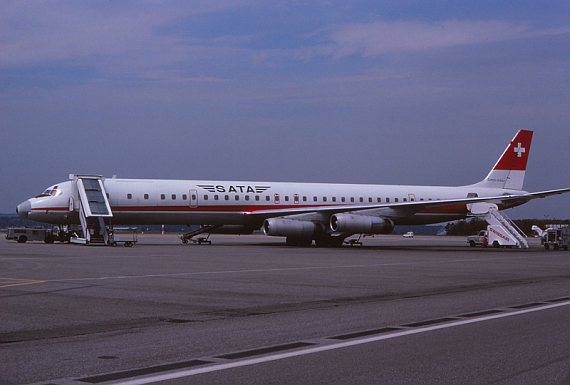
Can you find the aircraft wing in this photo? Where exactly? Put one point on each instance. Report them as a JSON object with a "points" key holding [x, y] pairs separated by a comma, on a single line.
{"points": [[544, 194], [407, 208]]}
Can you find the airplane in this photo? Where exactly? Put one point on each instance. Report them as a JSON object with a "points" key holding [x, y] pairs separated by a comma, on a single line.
{"points": [[302, 212]]}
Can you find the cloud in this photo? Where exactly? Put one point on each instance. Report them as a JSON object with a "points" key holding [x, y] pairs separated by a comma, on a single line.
{"points": [[111, 35], [377, 38]]}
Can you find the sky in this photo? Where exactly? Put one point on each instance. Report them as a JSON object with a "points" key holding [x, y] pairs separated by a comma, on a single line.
{"points": [[381, 92]]}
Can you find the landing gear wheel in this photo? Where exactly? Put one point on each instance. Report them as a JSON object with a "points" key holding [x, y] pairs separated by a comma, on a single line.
{"points": [[292, 241]]}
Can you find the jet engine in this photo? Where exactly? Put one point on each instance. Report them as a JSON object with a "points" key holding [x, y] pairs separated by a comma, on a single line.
{"points": [[290, 228], [361, 224]]}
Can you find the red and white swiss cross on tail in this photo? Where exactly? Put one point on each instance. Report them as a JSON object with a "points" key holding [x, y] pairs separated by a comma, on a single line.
{"points": [[509, 170], [516, 155]]}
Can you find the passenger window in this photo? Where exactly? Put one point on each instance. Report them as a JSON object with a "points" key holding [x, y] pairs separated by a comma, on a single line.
{"points": [[257, 197], [276, 198], [361, 199], [205, 197], [162, 196], [379, 200], [387, 200], [405, 199], [304, 198], [352, 199], [227, 197], [324, 199], [173, 197], [184, 197], [395, 199], [237, 197], [369, 200], [286, 198], [334, 199], [145, 196], [129, 196], [247, 197], [216, 197], [343, 199]]}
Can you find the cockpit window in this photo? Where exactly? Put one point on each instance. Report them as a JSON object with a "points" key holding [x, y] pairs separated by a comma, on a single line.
{"points": [[51, 191]]}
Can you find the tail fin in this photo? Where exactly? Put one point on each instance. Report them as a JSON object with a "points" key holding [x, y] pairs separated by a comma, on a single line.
{"points": [[508, 172]]}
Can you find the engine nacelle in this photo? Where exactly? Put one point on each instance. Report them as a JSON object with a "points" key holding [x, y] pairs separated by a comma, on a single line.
{"points": [[290, 228], [361, 224]]}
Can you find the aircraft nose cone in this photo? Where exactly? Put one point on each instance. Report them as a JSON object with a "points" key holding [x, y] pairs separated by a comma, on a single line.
{"points": [[24, 208]]}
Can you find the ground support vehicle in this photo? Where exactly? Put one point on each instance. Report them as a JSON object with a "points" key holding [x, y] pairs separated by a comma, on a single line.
{"points": [[556, 238], [24, 234], [495, 235], [127, 237], [498, 236], [478, 240], [501, 232]]}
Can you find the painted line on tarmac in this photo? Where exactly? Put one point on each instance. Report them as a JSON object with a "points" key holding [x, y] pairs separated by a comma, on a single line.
{"points": [[21, 282], [449, 322]]}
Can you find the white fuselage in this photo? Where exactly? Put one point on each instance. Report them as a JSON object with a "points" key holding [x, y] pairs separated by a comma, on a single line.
{"points": [[189, 202]]}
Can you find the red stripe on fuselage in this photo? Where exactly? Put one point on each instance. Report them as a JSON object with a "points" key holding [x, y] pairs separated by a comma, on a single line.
{"points": [[65, 208], [457, 209], [232, 208]]}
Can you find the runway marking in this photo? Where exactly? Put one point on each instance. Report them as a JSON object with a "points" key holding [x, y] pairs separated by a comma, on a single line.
{"points": [[279, 269], [449, 322], [21, 283]]}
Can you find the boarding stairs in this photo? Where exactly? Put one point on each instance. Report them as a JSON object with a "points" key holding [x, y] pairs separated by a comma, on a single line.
{"points": [[490, 212], [203, 229], [93, 209]]}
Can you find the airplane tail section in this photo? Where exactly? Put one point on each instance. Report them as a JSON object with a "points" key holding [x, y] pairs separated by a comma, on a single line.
{"points": [[509, 171]]}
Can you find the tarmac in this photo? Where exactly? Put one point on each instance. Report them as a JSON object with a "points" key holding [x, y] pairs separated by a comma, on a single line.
{"points": [[250, 310]]}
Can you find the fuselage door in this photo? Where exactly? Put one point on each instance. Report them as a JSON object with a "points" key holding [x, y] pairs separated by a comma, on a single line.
{"points": [[193, 198], [470, 205]]}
